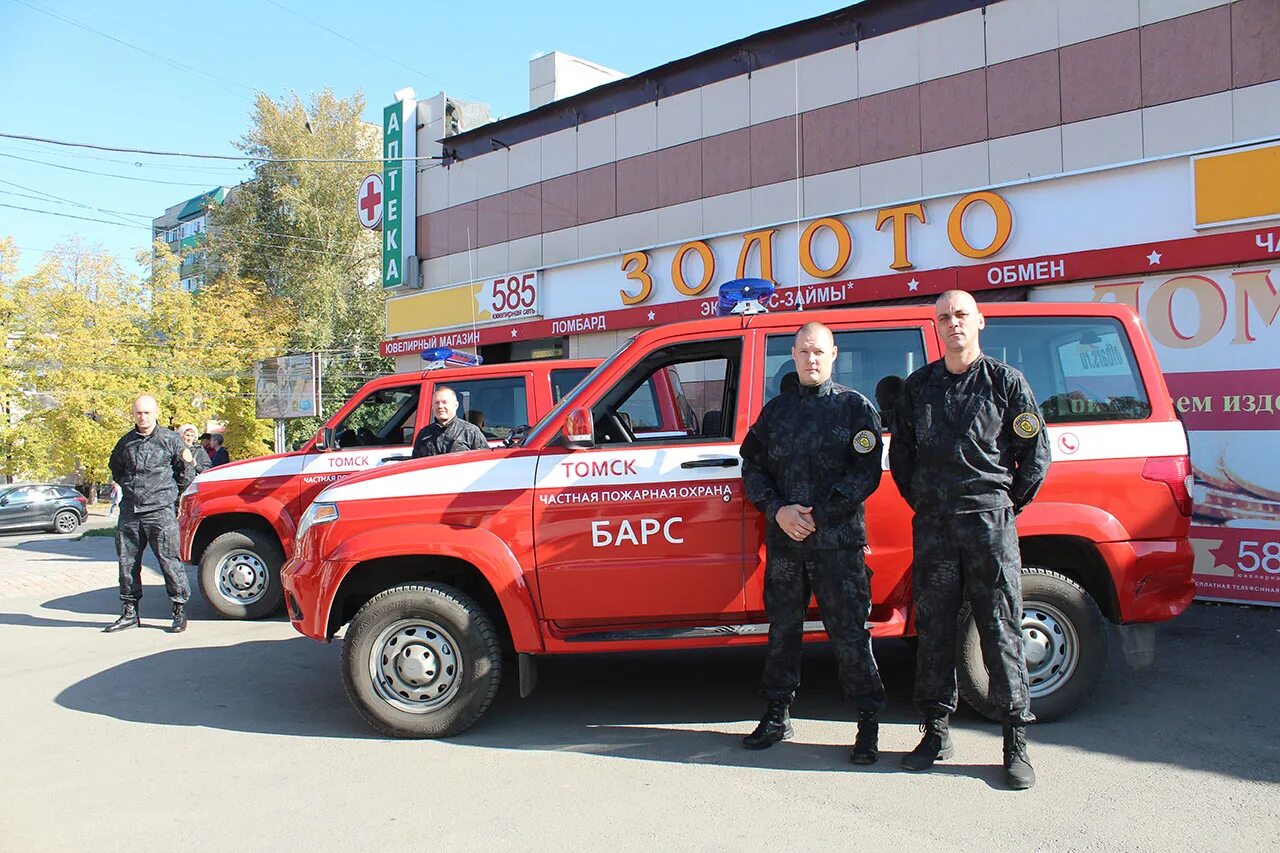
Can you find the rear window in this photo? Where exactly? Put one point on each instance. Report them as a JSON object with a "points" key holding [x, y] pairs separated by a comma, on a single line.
{"points": [[871, 361], [1080, 368], [497, 406], [565, 379]]}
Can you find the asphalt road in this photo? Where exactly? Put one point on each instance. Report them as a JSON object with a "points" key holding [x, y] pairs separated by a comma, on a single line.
{"points": [[238, 736]]}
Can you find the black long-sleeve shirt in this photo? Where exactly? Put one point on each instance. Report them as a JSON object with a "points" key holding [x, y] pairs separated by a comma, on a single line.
{"points": [[820, 447], [456, 436], [152, 470], [968, 442]]}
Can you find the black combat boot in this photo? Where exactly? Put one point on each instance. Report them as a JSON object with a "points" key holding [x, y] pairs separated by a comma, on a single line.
{"points": [[866, 746], [934, 746], [128, 619], [1018, 772], [179, 619], [774, 726]]}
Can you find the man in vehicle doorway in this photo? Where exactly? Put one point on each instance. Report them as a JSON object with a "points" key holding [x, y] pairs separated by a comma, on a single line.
{"points": [[448, 433], [969, 452], [153, 466], [809, 462]]}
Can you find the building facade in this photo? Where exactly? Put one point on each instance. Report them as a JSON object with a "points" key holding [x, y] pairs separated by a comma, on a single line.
{"points": [[184, 227], [1078, 150]]}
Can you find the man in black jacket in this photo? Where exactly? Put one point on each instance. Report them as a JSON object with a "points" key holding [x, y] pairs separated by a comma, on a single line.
{"points": [[153, 466], [809, 462], [448, 433], [969, 452]]}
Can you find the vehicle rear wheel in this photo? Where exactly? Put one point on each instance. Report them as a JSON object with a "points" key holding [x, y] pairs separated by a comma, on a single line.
{"points": [[240, 574], [421, 661], [65, 521], [1064, 638]]}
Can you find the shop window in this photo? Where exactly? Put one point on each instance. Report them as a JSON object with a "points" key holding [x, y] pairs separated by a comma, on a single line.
{"points": [[680, 393], [873, 362], [384, 418], [1080, 368]]}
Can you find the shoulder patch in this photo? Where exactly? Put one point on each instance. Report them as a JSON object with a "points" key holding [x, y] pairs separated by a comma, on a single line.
{"points": [[864, 441], [1027, 425]]}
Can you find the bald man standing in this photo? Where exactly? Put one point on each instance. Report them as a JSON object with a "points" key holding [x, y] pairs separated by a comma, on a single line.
{"points": [[153, 467], [809, 462], [968, 453]]}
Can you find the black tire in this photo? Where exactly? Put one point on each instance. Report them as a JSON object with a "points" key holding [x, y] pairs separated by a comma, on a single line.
{"points": [[240, 574], [65, 521], [421, 661], [1063, 621]]}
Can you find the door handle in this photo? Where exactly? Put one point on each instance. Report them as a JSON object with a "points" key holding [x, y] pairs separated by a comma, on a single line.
{"points": [[720, 462]]}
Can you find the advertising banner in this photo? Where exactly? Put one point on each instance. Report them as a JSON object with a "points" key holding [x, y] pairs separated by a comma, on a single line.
{"points": [[1218, 341], [287, 387]]}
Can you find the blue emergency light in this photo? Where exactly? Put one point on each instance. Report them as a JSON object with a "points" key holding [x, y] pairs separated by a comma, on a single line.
{"points": [[438, 357], [743, 296]]}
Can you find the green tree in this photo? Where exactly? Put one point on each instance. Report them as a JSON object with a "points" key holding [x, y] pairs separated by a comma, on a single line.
{"points": [[294, 227]]}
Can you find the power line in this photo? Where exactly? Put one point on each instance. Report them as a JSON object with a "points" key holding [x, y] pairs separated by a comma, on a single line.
{"points": [[372, 50], [72, 216], [236, 157], [49, 195], [37, 148], [212, 78], [104, 174]]}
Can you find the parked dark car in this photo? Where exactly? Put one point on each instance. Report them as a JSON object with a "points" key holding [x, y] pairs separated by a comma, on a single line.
{"points": [[60, 509]]}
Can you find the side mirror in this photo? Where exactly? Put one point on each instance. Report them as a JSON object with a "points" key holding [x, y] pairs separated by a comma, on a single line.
{"points": [[326, 439], [579, 429]]}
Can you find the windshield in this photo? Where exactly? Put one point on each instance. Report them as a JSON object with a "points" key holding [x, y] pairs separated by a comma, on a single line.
{"points": [[568, 399]]}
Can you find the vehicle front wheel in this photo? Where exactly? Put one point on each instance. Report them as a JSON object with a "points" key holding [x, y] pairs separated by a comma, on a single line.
{"points": [[1064, 639], [421, 661], [240, 574], [65, 522]]}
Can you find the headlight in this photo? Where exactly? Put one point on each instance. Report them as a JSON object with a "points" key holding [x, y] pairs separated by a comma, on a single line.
{"points": [[191, 489], [317, 513]]}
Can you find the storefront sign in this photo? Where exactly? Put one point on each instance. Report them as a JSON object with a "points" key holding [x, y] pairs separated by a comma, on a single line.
{"points": [[1236, 186], [502, 298], [400, 186]]}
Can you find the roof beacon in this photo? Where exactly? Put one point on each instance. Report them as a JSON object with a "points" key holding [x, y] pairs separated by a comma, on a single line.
{"points": [[439, 357], [743, 296]]}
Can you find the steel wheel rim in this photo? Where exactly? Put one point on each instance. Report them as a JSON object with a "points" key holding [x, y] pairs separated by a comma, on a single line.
{"points": [[415, 666], [243, 577], [1051, 647], [64, 522]]}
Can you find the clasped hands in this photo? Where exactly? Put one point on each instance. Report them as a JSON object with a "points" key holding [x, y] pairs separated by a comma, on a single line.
{"points": [[796, 521]]}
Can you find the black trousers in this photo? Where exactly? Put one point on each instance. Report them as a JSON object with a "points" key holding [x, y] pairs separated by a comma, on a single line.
{"points": [[159, 529], [842, 584], [971, 556]]}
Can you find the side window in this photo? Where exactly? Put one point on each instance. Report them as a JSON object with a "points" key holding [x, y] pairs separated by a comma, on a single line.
{"points": [[497, 406], [686, 392], [1080, 368], [22, 496], [874, 362], [384, 418], [565, 379]]}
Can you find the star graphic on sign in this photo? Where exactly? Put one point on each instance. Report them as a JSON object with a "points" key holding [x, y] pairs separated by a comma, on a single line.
{"points": [[913, 285], [1153, 258], [652, 316], [514, 332]]}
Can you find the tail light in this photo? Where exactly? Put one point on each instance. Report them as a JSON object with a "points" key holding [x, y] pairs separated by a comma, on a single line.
{"points": [[1174, 472], [82, 499]]}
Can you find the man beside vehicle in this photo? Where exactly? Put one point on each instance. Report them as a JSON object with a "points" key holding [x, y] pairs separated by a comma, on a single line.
{"points": [[809, 462], [447, 433], [969, 452], [153, 466], [218, 454]]}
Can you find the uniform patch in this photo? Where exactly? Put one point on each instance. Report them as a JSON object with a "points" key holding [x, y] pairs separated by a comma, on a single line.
{"points": [[187, 457], [864, 442], [1026, 425]]}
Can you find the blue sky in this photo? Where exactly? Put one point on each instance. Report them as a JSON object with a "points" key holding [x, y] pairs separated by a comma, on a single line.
{"points": [[181, 77]]}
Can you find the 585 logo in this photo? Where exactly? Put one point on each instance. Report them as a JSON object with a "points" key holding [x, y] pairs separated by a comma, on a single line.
{"points": [[510, 296]]}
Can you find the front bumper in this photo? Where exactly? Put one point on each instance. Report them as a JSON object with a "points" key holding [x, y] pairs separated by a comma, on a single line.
{"points": [[305, 594]]}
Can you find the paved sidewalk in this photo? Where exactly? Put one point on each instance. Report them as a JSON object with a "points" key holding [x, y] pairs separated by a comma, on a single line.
{"points": [[35, 564]]}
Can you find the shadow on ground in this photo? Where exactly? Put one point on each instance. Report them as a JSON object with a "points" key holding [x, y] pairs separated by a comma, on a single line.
{"points": [[1205, 704]]}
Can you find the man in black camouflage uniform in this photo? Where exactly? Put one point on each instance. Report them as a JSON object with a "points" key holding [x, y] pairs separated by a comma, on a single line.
{"points": [[447, 433], [809, 462], [153, 466], [969, 452]]}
